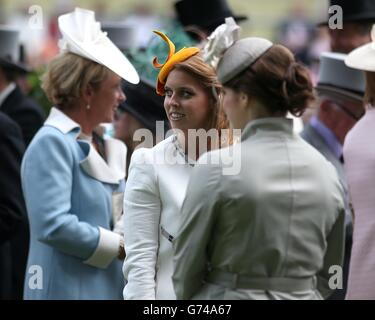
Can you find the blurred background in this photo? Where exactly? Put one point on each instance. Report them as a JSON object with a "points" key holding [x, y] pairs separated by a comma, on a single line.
{"points": [[290, 22]]}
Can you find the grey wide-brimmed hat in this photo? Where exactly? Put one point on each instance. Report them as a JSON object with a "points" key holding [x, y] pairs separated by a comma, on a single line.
{"points": [[241, 55], [10, 49], [336, 77]]}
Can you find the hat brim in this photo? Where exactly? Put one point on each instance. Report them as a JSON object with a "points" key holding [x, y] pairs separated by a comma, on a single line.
{"points": [[362, 58], [143, 103], [146, 118], [19, 67], [327, 89], [363, 18]]}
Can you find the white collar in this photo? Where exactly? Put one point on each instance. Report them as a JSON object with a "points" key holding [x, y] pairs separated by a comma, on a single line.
{"points": [[61, 121], [6, 92], [85, 137], [112, 171]]}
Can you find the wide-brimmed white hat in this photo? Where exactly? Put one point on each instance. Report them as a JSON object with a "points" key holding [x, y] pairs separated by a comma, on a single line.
{"points": [[363, 58], [82, 35]]}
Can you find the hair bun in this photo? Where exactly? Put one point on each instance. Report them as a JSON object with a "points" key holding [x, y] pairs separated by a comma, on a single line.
{"points": [[297, 88], [278, 81]]}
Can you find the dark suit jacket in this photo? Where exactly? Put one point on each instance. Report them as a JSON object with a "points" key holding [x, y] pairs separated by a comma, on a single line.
{"points": [[25, 112], [14, 234], [310, 135]]}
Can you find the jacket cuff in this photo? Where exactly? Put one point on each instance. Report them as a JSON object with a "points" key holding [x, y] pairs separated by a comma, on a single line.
{"points": [[107, 249]]}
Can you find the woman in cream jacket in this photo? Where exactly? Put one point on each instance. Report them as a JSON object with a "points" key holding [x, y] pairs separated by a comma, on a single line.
{"points": [[158, 177]]}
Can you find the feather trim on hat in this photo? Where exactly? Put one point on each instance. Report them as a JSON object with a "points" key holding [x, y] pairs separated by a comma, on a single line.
{"points": [[172, 59]]}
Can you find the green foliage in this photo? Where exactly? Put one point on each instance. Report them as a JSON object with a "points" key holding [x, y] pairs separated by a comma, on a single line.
{"points": [[36, 92], [142, 60]]}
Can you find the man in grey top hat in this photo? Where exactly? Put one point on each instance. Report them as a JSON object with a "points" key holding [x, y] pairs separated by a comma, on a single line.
{"points": [[340, 93]]}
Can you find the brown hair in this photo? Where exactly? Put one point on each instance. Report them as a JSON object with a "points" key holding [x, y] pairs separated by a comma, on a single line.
{"points": [[277, 81], [67, 75], [206, 75], [370, 89]]}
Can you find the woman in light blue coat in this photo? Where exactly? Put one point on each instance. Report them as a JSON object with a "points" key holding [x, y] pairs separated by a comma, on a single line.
{"points": [[73, 182]]}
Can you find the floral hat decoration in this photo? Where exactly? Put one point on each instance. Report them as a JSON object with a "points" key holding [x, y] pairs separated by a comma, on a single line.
{"points": [[230, 55], [172, 59]]}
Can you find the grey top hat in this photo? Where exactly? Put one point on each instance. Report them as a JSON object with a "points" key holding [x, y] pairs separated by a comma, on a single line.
{"points": [[10, 49], [336, 77], [122, 35], [241, 55]]}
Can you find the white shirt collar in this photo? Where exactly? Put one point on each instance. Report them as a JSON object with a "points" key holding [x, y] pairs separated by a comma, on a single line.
{"points": [[6, 92], [61, 121]]}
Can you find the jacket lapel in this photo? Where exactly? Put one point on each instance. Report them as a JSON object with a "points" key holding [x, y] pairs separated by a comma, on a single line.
{"points": [[112, 171]]}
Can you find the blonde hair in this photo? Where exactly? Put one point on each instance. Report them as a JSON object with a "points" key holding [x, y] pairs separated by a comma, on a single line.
{"points": [[68, 75]]}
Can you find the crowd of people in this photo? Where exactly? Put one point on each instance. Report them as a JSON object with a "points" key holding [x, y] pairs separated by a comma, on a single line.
{"points": [[204, 189]]}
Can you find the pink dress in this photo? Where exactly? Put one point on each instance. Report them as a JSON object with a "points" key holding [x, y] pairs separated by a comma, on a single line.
{"points": [[359, 155]]}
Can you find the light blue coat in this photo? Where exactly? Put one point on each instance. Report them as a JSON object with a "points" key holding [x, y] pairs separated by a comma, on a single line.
{"points": [[69, 191]]}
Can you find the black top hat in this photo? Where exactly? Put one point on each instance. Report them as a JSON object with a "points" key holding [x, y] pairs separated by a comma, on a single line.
{"points": [[144, 104], [355, 10], [207, 14], [10, 50]]}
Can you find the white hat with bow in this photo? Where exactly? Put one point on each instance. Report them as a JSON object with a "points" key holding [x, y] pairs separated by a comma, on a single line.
{"points": [[82, 35]]}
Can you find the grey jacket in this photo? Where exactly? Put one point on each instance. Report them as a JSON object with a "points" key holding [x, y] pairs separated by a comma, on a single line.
{"points": [[266, 231]]}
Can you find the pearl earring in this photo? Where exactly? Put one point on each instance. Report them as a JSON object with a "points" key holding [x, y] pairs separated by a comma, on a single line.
{"points": [[88, 107]]}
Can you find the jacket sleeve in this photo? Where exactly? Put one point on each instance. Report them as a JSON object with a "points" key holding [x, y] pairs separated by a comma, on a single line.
{"points": [[197, 220], [47, 181], [329, 276], [12, 207], [141, 228]]}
